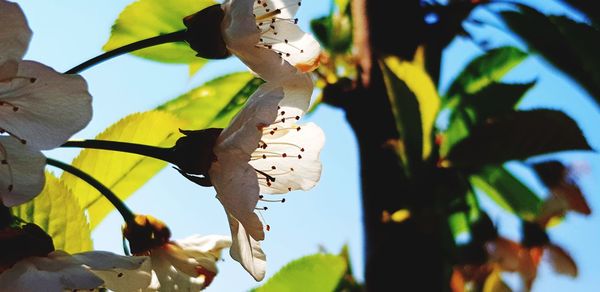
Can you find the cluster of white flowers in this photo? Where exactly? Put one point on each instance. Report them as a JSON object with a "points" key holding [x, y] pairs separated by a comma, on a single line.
{"points": [[263, 151]]}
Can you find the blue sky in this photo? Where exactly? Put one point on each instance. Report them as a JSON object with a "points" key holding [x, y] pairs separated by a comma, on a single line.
{"points": [[67, 32]]}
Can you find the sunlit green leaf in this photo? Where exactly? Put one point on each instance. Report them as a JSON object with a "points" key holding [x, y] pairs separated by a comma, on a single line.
{"points": [[570, 46], [493, 100], [459, 223], [319, 272], [485, 69], [516, 136], [348, 282], [149, 18], [415, 104], [507, 191], [215, 103], [123, 173], [342, 5], [57, 211]]}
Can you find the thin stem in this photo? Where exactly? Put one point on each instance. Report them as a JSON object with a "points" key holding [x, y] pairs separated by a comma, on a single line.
{"points": [[178, 36], [165, 154], [127, 214]]}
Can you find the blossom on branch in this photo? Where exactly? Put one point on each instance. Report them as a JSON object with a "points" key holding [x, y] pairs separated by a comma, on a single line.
{"points": [[39, 110], [262, 150], [185, 265], [30, 263]]}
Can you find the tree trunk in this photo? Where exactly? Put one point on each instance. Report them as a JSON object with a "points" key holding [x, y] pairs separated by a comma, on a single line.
{"points": [[399, 256]]}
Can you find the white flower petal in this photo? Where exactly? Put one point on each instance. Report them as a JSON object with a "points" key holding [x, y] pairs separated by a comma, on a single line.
{"points": [[56, 272], [242, 37], [287, 8], [169, 279], [104, 260], [297, 167], [237, 190], [297, 91], [244, 131], [24, 171], [51, 106], [15, 34], [127, 279], [246, 250], [200, 247], [295, 46]]}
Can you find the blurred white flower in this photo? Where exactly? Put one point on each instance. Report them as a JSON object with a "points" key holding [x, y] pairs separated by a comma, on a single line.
{"points": [[183, 265], [188, 264], [262, 150], [39, 110], [59, 271]]}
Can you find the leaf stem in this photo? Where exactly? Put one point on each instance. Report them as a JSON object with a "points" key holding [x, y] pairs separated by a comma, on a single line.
{"points": [[127, 214], [178, 36], [165, 154]]}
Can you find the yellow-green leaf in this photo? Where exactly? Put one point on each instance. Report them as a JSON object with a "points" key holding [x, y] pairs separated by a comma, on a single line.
{"points": [[123, 173], [486, 69], [58, 212], [507, 191], [149, 18], [215, 103], [416, 108], [319, 272]]}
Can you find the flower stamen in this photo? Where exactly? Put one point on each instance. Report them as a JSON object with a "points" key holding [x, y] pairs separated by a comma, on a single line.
{"points": [[11, 134], [4, 162]]}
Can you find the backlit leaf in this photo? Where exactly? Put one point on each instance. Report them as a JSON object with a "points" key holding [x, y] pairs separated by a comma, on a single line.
{"points": [[415, 104], [215, 103], [57, 211], [123, 173], [319, 272], [486, 69], [507, 191], [149, 18]]}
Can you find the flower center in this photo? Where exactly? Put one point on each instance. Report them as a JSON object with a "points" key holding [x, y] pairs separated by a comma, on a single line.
{"points": [[272, 22], [277, 151]]}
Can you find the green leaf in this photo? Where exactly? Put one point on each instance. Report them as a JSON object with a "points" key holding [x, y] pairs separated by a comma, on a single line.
{"points": [[485, 69], [215, 103], [342, 5], [568, 45], [507, 191], [415, 104], [334, 32], [493, 100], [319, 272], [123, 173], [57, 211], [348, 282], [459, 223], [149, 18], [516, 136]]}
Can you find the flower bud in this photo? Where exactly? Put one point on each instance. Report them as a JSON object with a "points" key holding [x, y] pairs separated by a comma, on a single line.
{"points": [[145, 233], [204, 33]]}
